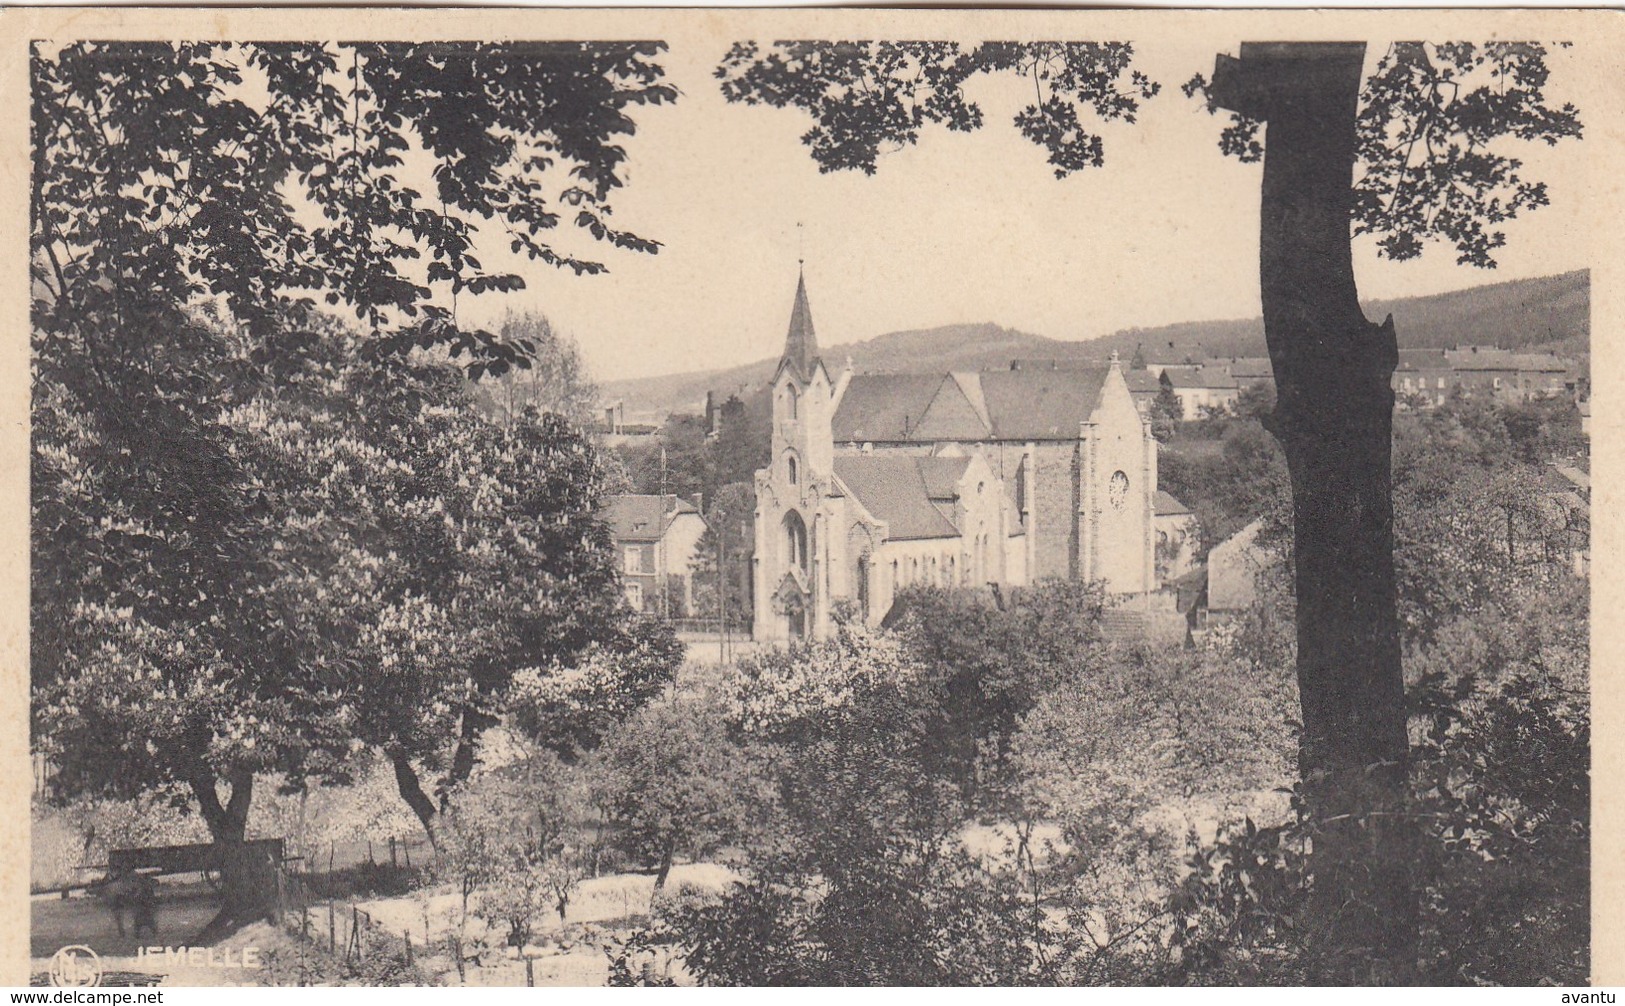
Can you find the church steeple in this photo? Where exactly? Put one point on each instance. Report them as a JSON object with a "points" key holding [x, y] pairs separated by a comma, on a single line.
{"points": [[801, 342]]}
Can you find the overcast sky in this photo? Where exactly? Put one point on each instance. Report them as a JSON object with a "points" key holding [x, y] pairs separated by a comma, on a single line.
{"points": [[960, 228]]}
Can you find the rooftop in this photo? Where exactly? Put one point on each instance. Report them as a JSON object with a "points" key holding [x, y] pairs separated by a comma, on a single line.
{"points": [[900, 489], [634, 517]]}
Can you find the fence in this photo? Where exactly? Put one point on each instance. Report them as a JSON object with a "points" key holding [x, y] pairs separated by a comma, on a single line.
{"points": [[348, 933]]}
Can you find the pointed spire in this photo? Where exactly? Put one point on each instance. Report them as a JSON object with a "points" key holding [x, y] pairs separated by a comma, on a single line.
{"points": [[801, 342]]}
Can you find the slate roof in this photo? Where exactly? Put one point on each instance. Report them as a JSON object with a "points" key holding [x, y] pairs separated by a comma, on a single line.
{"points": [[634, 517], [883, 406], [801, 341], [1202, 377], [1142, 382], [1168, 506], [990, 404], [1039, 404], [899, 491], [1423, 359], [1251, 368]]}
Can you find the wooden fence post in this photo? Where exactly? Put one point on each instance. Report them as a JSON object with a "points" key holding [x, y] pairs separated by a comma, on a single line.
{"points": [[332, 929], [394, 864], [406, 937], [530, 971]]}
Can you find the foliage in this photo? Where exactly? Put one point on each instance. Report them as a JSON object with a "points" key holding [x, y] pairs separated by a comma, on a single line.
{"points": [[510, 847], [1167, 412], [722, 566], [203, 612], [1429, 144], [1480, 524], [678, 460], [402, 558], [555, 381], [868, 96], [672, 782], [985, 666], [259, 172], [1229, 487], [1500, 793], [571, 710], [312, 966], [1173, 731]]}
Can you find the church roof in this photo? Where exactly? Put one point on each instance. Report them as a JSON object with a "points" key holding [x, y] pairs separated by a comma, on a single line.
{"points": [[1169, 506], [899, 491], [885, 407], [1039, 404], [991, 404], [801, 341]]}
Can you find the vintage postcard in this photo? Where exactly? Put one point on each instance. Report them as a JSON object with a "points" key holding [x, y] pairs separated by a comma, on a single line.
{"points": [[810, 497]]}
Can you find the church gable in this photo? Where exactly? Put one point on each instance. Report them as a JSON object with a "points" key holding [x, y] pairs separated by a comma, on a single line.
{"points": [[1116, 409], [952, 416], [884, 407]]}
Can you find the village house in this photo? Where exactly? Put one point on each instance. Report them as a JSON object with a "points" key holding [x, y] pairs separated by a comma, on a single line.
{"points": [[1233, 566], [879, 481], [656, 543], [1201, 389], [1177, 537]]}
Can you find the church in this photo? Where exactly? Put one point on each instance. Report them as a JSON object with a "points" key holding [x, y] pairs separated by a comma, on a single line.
{"points": [[880, 481]]}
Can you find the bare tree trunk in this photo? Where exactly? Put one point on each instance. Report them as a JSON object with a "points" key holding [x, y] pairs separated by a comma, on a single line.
{"points": [[1334, 419], [666, 854], [247, 879], [411, 790], [463, 758]]}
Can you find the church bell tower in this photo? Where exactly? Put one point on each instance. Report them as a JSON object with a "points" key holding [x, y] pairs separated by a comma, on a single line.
{"points": [[791, 573]]}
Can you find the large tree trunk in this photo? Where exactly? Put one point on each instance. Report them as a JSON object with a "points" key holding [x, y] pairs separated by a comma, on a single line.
{"points": [[464, 756], [247, 878], [411, 790], [1334, 419]]}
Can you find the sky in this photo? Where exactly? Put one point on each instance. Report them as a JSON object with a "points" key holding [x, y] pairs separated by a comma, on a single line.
{"points": [[958, 228]]}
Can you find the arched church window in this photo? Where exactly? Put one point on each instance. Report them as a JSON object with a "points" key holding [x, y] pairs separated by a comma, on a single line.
{"points": [[795, 536], [790, 399], [790, 468]]}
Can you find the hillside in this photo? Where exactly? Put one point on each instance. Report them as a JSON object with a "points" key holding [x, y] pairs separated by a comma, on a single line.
{"points": [[1548, 312]]}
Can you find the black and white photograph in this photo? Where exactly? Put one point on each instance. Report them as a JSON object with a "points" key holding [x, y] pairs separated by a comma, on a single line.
{"points": [[810, 497]]}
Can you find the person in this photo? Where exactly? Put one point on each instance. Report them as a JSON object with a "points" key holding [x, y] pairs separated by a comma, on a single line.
{"points": [[144, 905]]}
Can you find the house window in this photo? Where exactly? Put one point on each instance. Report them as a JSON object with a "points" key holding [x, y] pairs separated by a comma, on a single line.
{"points": [[1441, 384], [634, 595], [634, 559]]}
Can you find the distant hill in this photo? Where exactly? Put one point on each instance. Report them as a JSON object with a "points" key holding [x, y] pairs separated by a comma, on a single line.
{"points": [[1548, 312]]}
